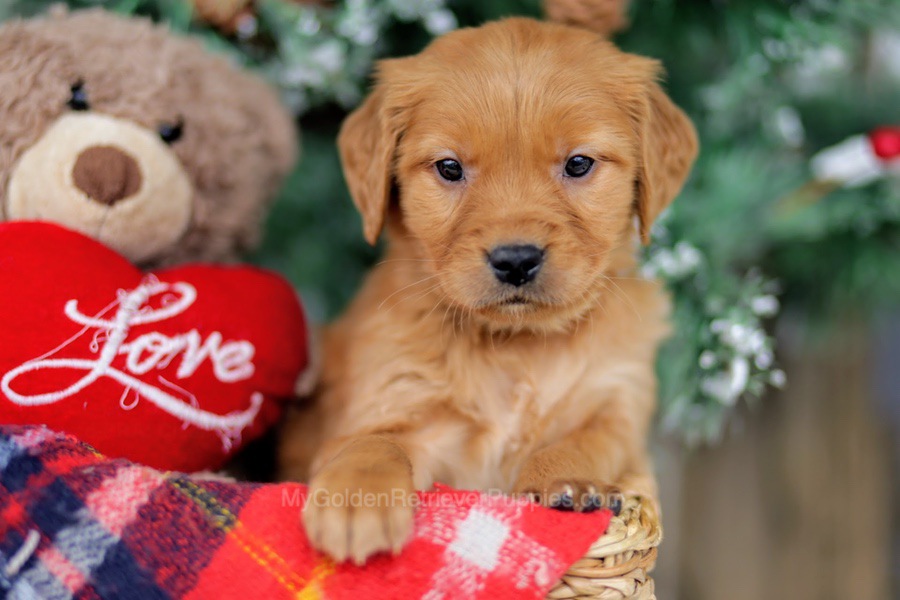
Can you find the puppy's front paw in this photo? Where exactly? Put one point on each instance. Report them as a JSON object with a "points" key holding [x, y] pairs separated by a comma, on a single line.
{"points": [[353, 515], [574, 495]]}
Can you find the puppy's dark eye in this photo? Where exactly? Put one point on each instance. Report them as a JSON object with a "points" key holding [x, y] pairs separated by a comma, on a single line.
{"points": [[449, 169], [78, 100], [579, 166], [171, 132]]}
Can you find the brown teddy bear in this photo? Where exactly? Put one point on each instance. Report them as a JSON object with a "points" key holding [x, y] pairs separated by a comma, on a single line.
{"points": [[128, 135], [122, 131]]}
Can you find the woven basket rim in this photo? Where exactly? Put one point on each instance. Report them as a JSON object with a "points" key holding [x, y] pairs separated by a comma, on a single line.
{"points": [[618, 563]]}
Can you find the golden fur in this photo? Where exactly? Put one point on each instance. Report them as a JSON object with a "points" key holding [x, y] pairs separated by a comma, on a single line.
{"points": [[438, 372]]}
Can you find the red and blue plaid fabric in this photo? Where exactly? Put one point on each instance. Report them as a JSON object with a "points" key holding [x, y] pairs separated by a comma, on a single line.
{"points": [[75, 524]]}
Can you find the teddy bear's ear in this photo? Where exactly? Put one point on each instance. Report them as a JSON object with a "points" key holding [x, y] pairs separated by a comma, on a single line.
{"points": [[605, 17], [278, 128], [31, 64], [272, 140], [283, 136], [58, 11]]}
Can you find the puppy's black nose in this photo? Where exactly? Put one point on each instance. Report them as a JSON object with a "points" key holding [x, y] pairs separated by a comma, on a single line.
{"points": [[516, 264]]}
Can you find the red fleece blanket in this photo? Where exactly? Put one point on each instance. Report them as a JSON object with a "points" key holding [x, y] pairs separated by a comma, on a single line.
{"points": [[75, 524]]}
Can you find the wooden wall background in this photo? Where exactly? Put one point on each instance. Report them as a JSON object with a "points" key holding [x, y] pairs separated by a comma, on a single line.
{"points": [[801, 503]]}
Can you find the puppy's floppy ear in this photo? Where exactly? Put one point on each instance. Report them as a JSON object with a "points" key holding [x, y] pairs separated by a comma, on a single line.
{"points": [[367, 142], [668, 147]]}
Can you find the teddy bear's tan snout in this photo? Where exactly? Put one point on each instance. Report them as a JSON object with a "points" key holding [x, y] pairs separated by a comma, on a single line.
{"points": [[106, 177], [106, 174]]}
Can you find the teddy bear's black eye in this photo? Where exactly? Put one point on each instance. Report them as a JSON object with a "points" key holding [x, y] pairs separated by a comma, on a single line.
{"points": [[78, 100], [171, 132]]}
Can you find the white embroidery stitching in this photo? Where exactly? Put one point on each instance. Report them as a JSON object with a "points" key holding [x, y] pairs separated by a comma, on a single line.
{"points": [[231, 361]]}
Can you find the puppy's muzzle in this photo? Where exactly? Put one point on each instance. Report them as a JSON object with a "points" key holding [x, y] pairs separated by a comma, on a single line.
{"points": [[516, 265]]}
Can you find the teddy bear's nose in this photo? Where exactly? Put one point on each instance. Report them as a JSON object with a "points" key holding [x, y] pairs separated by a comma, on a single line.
{"points": [[106, 174]]}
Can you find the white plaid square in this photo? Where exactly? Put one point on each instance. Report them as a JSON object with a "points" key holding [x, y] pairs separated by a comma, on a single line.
{"points": [[479, 539]]}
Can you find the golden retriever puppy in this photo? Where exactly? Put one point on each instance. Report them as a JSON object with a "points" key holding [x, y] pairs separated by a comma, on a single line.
{"points": [[506, 342]]}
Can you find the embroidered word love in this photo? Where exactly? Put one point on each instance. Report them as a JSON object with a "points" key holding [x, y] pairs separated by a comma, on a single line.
{"points": [[231, 361]]}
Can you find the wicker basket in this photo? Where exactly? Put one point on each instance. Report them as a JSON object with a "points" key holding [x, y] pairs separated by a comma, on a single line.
{"points": [[617, 565]]}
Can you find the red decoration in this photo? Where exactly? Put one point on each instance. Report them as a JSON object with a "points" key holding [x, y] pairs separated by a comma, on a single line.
{"points": [[886, 142], [173, 369]]}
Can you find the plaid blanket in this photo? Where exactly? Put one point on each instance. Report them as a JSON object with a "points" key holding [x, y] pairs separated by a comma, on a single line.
{"points": [[74, 524]]}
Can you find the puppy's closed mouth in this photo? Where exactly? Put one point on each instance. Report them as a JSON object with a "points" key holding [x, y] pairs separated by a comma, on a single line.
{"points": [[515, 301]]}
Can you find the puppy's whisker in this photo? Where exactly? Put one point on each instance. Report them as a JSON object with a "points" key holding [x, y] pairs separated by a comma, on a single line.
{"points": [[593, 331], [418, 296], [585, 298], [419, 282], [436, 304], [424, 293], [592, 298], [443, 320], [595, 297], [396, 260], [620, 293], [616, 294]]}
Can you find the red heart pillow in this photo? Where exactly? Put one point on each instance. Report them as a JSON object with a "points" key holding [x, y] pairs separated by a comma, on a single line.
{"points": [[174, 369]]}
